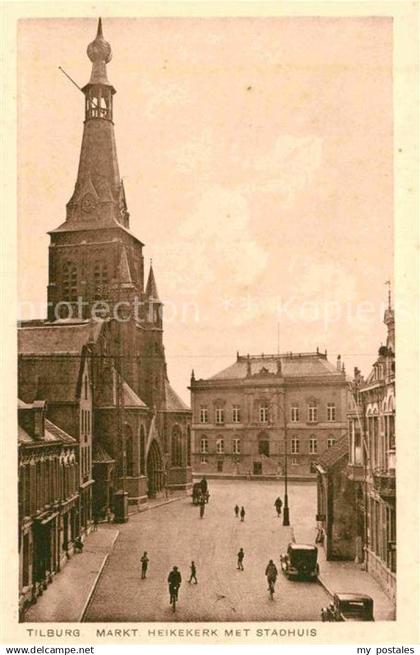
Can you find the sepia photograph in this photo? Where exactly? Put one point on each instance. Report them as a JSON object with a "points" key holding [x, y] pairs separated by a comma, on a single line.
{"points": [[206, 323]]}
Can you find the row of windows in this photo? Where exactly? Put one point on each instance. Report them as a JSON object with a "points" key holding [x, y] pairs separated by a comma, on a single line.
{"points": [[45, 482], [294, 461], [263, 446], [264, 413]]}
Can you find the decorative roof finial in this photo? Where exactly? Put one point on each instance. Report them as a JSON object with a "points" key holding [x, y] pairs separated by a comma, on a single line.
{"points": [[388, 282], [100, 54]]}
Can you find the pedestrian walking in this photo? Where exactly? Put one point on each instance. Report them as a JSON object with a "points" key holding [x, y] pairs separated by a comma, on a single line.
{"points": [[242, 513], [202, 506], [144, 564], [108, 514], [278, 505], [241, 556], [193, 575], [95, 522], [236, 511]]}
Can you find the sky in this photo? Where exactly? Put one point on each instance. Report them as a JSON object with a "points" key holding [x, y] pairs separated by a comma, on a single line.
{"points": [[257, 162]]}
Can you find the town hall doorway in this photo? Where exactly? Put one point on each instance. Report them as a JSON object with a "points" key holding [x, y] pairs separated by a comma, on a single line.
{"points": [[154, 469]]}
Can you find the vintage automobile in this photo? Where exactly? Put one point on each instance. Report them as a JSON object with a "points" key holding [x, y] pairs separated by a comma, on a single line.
{"points": [[300, 561], [349, 607]]}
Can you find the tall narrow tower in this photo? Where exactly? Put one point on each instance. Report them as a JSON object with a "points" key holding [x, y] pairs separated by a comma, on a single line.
{"points": [[93, 255]]}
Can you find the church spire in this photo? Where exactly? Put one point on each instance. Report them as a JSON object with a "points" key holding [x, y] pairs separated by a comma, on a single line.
{"points": [[151, 287], [98, 199]]}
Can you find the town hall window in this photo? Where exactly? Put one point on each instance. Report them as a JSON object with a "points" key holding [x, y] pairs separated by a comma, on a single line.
{"points": [[331, 441], [236, 446], [204, 445], [264, 412], [313, 446], [295, 446], [331, 411], [312, 412], [220, 446], [264, 445], [295, 413], [204, 414], [236, 414], [220, 415]]}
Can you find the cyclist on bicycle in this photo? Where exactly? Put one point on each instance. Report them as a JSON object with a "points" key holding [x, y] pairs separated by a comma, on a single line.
{"points": [[271, 573], [174, 581]]}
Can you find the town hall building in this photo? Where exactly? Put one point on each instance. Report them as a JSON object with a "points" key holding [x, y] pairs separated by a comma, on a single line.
{"points": [[248, 416]]}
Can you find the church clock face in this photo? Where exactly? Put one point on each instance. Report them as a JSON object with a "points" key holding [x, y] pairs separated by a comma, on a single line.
{"points": [[88, 203]]}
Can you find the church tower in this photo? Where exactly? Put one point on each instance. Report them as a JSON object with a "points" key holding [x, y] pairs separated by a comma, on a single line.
{"points": [[96, 269], [93, 256]]}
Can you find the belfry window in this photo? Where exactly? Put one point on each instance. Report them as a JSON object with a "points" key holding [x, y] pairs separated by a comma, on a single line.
{"points": [[69, 282], [101, 279]]}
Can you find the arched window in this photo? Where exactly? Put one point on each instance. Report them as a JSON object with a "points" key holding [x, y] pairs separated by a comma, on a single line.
{"points": [[176, 446], [69, 282], [264, 412], [129, 451], [142, 450]]}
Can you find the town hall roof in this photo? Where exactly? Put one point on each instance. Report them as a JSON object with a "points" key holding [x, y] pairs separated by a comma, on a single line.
{"points": [[292, 365]]}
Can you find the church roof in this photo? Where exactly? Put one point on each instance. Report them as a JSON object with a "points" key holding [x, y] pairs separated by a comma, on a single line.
{"points": [[173, 401], [57, 337], [131, 399], [335, 453], [54, 432], [292, 365]]}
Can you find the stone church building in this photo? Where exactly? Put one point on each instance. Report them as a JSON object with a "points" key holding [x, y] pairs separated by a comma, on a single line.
{"points": [[98, 359]]}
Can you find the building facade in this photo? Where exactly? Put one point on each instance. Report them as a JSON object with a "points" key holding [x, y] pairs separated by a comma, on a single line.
{"points": [[372, 462], [336, 515], [50, 506], [99, 358], [248, 415]]}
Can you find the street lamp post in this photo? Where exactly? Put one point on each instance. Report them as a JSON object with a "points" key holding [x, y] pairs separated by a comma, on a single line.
{"points": [[286, 518]]}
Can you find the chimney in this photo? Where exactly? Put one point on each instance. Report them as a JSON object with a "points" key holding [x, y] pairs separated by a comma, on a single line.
{"points": [[248, 366], [38, 412], [192, 376], [339, 363]]}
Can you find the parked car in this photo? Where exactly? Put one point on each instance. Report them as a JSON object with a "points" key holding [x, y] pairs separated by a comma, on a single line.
{"points": [[349, 607], [300, 561]]}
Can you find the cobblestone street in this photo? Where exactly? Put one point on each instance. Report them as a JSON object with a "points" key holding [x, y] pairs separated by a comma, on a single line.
{"points": [[174, 534]]}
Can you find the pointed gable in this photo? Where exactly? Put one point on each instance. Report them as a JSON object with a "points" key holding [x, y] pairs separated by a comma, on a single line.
{"points": [[151, 288]]}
